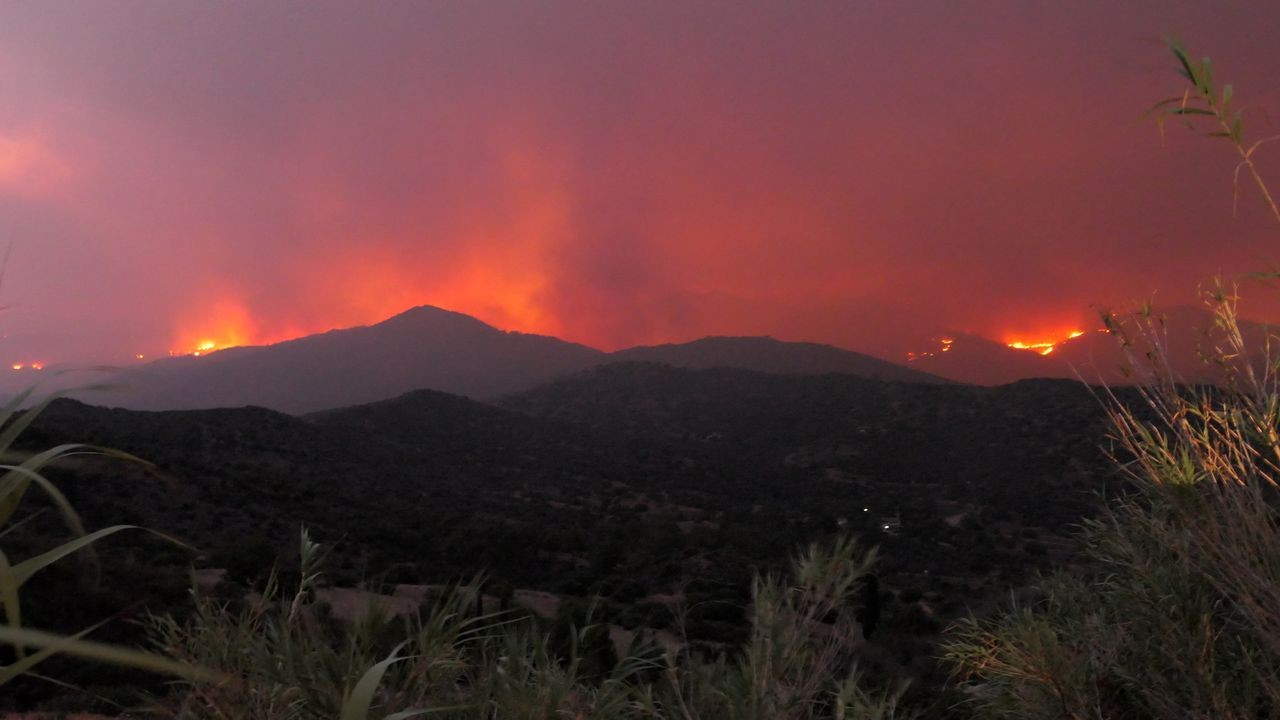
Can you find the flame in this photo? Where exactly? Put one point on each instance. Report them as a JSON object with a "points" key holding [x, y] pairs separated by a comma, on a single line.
{"points": [[221, 324], [944, 345], [1043, 345], [36, 365]]}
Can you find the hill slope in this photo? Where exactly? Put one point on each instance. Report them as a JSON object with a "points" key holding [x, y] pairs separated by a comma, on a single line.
{"points": [[626, 480], [765, 354]]}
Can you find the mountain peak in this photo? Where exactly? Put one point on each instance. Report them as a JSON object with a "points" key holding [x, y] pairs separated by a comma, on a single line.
{"points": [[437, 316]]}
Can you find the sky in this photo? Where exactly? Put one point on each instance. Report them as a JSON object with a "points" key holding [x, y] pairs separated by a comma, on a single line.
{"points": [[859, 173]]}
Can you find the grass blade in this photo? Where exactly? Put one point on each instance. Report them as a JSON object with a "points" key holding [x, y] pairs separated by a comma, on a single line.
{"points": [[358, 703]]}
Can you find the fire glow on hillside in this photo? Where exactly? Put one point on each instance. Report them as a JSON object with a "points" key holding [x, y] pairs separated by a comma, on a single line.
{"points": [[944, 345], [1044, 346], [223, 324]]}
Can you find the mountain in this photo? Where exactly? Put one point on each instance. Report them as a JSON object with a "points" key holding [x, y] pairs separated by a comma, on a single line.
{"points": [[425, 347], [765, 354], [431, 348]]}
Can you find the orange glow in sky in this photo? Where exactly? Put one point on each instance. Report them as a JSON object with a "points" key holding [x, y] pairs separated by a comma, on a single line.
{"points": [[222, 324], [548, 171]]}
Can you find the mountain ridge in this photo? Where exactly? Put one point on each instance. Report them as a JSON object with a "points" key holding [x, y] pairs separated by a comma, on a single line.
{"points": [[427, 347]]}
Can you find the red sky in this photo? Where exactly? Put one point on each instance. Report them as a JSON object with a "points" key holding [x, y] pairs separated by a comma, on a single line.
{"points": [[860, 173]]}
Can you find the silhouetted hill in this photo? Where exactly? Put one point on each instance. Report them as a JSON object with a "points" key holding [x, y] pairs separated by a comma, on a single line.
{"points": [[1006, 445], [424, 347], [620, 452], [765, 354]]}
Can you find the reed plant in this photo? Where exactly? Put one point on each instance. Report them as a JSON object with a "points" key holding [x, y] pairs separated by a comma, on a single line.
{"points": [[20, 473]]}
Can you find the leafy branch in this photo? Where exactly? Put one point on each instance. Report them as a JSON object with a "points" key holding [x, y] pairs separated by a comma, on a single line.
{"points": [[1205, 98]]}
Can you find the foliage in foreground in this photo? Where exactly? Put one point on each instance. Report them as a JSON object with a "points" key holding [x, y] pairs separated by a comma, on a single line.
{"points": [[284, 659], [1178, 614], [29, 646]]}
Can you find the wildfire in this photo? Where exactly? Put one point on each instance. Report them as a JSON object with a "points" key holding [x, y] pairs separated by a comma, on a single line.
{"points": [[201, 347], [215, 326], [27, 366], [1044, 347], [944, 345]]}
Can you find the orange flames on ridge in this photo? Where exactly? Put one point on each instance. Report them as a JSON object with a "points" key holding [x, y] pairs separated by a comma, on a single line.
{"points": [[226, 323], [944, 345], [1043, 345]]}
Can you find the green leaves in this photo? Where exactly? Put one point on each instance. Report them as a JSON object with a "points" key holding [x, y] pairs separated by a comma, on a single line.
{"points": [[50, 644], [1204, 100], [15, 481], [359, 702]]}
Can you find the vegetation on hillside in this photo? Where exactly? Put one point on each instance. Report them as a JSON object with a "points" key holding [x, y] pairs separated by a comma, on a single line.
{"points": [[640, 484]]}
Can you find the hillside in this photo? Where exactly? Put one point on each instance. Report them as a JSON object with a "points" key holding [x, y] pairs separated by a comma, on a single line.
{"points": [[980, 361], [630, 480], [765, 354]]}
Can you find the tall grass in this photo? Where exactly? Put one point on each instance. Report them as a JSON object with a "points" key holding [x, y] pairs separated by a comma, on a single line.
{"points": [[282, 657], [1176, 610]]}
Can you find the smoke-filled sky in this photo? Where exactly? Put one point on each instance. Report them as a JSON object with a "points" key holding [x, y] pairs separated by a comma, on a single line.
{"points": [[862, 173]]}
